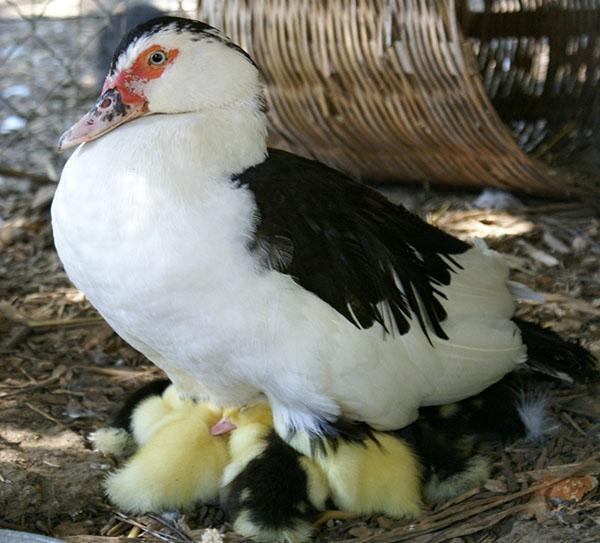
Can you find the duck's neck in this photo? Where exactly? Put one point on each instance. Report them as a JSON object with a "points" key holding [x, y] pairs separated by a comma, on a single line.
{"points": [[216, 143], [234, 137]]}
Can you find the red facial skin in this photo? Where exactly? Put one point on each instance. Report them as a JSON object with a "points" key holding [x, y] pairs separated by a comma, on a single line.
{"points": [[125, 89], [141, 72]]}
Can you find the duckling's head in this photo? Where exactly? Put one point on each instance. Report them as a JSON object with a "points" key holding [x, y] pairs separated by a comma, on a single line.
{"points": [[258, 413]]}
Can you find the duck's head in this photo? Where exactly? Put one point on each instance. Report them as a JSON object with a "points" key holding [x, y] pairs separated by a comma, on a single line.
{"points": [[168, 65]]}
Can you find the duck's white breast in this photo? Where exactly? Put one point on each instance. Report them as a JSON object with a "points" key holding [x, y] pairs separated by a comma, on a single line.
{"points": [[150, 237], [156, 235]]}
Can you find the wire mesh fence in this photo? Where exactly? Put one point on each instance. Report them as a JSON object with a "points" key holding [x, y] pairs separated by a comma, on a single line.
{"points": [[537, 63], [54, 55]]}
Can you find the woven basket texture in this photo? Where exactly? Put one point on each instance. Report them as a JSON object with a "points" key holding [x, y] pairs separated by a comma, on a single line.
{"points": [[499, 93]]}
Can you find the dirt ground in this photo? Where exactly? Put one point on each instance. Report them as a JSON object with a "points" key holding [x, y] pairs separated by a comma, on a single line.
{"points": [[63, 372]]}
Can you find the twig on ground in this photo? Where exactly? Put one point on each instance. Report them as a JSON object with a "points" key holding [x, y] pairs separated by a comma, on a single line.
{"points": [[148, 529], [460, 512], [46, 416], [18, 174]]}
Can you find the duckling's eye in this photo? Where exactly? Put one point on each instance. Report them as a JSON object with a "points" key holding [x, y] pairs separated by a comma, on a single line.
{"points": [[157, 58], [244, 408]]}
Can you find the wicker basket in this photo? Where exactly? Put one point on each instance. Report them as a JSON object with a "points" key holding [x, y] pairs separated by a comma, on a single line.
{"points": [[424, 90]]}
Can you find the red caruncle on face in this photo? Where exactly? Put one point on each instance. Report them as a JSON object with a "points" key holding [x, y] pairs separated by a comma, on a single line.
{"points": [[130, 82], [123, 97]]}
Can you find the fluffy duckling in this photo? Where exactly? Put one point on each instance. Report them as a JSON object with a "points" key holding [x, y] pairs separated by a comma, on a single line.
{"points": [[272, 492], [382, 474], [388, 473], [446, 437], [178, 462], [449, 465], [118, 438]]}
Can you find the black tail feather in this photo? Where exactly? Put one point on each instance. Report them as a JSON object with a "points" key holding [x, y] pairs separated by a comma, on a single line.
{"points": [[491, 415], [447, 438], [551, 355]]}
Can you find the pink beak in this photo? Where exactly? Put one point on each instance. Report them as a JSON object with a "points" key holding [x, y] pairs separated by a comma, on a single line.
{"points": [[224, 426], [108, 112]]}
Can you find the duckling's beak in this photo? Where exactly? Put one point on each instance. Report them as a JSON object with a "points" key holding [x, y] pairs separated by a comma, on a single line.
{"points": [[224, 426]]}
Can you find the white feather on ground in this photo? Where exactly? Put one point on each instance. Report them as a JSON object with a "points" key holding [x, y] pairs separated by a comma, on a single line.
{"points": [[534, 410]]}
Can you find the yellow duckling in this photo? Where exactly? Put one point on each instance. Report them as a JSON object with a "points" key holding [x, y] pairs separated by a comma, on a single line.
{"points": [[178, 463], [378, 475]]}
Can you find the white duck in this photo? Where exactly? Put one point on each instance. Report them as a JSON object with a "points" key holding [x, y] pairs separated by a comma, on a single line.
{"points": [[243, 271]]}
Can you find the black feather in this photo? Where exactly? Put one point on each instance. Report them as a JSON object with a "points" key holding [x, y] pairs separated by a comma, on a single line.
{"points": [[348, 244], [438, 450], [550, 354], [341, 430], [490, 416]]}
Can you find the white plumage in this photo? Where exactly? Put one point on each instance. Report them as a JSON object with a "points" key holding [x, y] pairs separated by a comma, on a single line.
{"points": [[150, 226]]}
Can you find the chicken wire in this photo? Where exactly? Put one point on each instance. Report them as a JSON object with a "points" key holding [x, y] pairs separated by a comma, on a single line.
{"points": [[53, 58]]}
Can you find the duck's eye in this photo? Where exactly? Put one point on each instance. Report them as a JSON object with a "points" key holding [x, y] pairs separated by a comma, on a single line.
{"points": [[157, 58]]}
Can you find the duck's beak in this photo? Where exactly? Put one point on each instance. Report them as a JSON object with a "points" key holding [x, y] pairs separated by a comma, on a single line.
{"points": [[109, 111], [224, 426]]}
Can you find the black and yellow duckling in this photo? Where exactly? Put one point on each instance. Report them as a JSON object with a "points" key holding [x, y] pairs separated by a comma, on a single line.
{"points": [[271, 492], [270, 487], [447, 437]]}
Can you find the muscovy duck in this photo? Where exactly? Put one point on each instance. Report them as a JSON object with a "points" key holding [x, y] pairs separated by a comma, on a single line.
{"points": [[245, 271]]}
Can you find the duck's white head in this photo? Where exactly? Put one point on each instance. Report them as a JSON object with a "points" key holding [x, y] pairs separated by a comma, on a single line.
{"points": [[169, 65]]}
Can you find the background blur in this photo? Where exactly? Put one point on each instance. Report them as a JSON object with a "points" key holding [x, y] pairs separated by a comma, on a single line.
{"points": [[53, 58]]}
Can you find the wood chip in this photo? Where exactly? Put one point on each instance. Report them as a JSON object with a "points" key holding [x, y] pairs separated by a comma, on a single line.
{"points": [[43, 196], [386, 523], [538, 254], [360, 531], [555, 244], [537, 507], [496, 485]]}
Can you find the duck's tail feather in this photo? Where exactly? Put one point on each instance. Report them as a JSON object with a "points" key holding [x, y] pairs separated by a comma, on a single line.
{"points": [[446, 438], [551, 355], [515, 407]]}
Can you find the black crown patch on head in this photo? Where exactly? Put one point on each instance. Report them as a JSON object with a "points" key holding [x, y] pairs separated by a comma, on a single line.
{"points": [[197, 29]]}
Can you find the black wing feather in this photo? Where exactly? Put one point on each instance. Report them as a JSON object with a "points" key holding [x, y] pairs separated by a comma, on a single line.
{"points": [[348, 244]]}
